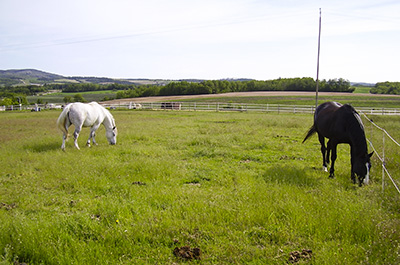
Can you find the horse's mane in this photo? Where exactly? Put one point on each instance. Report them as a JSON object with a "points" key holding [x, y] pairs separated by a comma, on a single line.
{"points": [[107, 113]]}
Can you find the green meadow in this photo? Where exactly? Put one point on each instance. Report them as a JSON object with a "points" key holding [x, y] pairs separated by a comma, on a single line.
{"points": [[238, 187]]}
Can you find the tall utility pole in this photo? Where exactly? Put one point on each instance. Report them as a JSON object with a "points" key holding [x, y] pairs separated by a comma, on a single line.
{"points": [[319, 41]]}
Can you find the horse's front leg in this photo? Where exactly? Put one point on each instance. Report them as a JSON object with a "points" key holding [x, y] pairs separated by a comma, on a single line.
{"points": [[353, 175], [92, 136], [333, 147]]}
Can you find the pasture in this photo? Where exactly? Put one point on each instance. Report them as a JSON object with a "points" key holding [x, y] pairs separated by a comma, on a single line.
{"points": [[238, 186]]}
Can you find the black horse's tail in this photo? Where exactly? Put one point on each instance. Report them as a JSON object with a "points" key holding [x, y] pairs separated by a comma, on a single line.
{"points": [[310, 133]]}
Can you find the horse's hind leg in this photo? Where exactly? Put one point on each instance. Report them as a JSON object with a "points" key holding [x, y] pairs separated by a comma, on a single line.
{"points": [[76, 135], [323, 151], [333, 158], [328, 151], [63, 142]]}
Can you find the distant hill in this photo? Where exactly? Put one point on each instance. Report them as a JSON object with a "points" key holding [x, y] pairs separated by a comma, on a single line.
{"points": [[362, 84], [20, 77], [26, 77]]}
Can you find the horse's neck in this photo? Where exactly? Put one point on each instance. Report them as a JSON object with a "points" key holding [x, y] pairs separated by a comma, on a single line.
{"points": [[357, 136], [108, 121]]}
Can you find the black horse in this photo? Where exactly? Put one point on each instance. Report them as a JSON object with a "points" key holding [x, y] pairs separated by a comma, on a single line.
{"points": [[342, 124]]}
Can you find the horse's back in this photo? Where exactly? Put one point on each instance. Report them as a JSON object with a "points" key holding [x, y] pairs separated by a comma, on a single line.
{"points": [[86, 114], [333, 120], [327, 108]]}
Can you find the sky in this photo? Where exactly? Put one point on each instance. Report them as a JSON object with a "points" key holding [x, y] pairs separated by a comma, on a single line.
{"points": [[203, 39]]}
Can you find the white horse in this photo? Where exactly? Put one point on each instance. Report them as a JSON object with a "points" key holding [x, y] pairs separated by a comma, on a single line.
{"points": [[86, 115]]}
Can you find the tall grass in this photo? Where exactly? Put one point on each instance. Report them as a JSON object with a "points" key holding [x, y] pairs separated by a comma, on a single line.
{"points": [[239, 186]]}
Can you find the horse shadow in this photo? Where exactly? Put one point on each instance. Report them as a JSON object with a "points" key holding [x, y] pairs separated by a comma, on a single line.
{"points": [[290, 175], [42, 148]]}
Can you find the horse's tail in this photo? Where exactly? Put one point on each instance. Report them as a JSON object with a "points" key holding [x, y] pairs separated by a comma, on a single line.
{"points": [[310, 133], [62, 119]]}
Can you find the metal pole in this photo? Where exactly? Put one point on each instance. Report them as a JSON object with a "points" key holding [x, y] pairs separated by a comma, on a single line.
{"points": [[319, 41]]}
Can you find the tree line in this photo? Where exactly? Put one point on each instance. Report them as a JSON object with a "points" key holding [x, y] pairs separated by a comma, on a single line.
{"points": [[17, 94], [224, 86], [386, 88]]}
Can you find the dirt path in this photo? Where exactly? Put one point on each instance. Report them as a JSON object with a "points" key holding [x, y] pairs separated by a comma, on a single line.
{"points": [[236, 94]]}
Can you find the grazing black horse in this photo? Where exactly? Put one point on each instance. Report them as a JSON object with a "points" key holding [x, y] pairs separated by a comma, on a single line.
{"points": [[342, 124]]}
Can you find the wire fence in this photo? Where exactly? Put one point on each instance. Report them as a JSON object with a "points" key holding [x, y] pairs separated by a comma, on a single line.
{"points": [[381, 154]]}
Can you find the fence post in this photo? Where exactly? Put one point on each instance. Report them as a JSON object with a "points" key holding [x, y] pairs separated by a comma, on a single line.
{"points": [[383, 162]]}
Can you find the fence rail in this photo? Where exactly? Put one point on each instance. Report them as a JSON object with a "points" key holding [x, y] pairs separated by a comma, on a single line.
{"points": [[217, 106], [211, 106]]}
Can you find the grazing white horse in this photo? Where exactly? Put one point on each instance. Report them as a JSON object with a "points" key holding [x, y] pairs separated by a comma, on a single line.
{"points": [[86, 115]]}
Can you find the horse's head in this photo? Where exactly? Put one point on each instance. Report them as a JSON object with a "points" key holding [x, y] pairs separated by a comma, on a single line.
{"points": [[361, 168], [111, 135]]}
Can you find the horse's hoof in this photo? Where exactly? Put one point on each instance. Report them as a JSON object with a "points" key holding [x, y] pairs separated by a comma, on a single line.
{"points": [[325, 169]]}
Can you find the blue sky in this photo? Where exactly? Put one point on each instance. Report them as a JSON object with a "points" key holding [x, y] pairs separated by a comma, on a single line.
{"points": [[207, 39]]}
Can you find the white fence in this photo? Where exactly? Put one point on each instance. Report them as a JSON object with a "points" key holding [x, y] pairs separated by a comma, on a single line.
{"points": [[36, 107], [217, 106], [211, 106]]}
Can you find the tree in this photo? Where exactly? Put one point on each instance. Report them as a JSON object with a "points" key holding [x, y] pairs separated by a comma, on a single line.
{"points": [[67, 99], [79, 98]]}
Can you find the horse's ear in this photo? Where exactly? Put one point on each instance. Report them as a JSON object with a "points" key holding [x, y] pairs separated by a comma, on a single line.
{"points": [[371, 154]]}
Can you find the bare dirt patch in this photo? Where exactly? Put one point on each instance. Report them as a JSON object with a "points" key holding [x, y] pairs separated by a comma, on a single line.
{"points": [[187, 253], [297, 256]]}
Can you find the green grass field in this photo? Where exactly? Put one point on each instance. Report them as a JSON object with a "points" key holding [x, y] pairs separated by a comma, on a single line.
{"points": [[241, 187], [362, 89], [359, 99]]}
